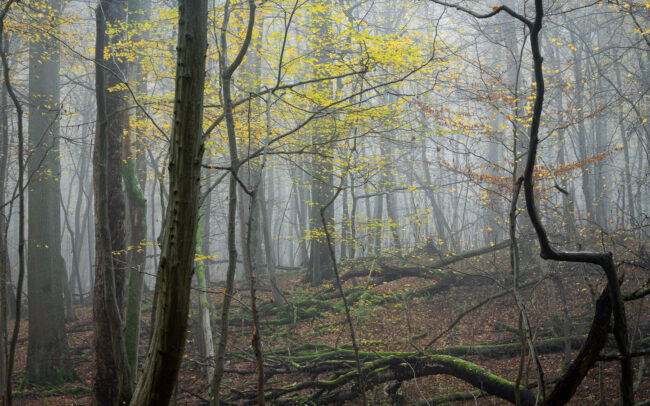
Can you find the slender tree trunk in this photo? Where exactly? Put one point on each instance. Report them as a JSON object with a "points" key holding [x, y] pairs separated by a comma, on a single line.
{"points": [[135, 186], [443, 230], [77, 235], [206, 341], [582, 136], [626, 153], [137, 261], [567, 200], [207, 234], [4, 253], [377, 220], [386, 151], [345, 221], [21, 204], [220, 357], [353, 219], [179, 235], [268, 250], [321, 165], [227, 71], [300, 225], [90, 247], [267, 218]]}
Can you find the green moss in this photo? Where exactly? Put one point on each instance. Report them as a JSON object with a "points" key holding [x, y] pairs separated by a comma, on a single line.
{"points": [[47, 391]]}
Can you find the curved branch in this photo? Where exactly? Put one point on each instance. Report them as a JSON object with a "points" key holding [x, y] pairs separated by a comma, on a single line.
{"points": [[495, 11], [604, 260]]}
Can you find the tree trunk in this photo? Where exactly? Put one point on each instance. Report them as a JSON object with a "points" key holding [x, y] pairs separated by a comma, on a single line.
{"points": [[300, 224], [581, 152], [47, 353], [206, 340], [135, 186], [321, 165], [77, 235], [626, 154], [179, 234], [443, 230], [112, 382], [4, 253], [227, 71], [377, 220], [268, 248], [137, 261], [21, 207]]}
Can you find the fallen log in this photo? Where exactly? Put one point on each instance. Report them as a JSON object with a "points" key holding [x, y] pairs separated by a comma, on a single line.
{"points": [[387, 273], [393, 368]]}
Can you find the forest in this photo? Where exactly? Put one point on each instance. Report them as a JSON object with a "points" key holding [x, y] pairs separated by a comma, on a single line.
{"points": [[324, 202]]}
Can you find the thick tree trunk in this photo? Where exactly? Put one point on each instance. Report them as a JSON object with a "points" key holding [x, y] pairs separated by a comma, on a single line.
{"points": [[179, 235], [47, 353], [112, 382]]}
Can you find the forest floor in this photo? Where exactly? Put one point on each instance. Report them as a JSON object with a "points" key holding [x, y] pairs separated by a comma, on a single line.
{"points": [[388, 317]]}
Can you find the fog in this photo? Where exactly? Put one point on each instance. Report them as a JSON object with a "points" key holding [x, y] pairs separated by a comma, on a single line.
{"points": [[233, 202]]}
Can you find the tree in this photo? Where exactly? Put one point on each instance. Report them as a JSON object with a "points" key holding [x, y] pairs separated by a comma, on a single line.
{"points": [[112, 382], [227, 71], [135, 184], [179, 235], [322, 168], [565, 388], [47, 355], [4, 253]]}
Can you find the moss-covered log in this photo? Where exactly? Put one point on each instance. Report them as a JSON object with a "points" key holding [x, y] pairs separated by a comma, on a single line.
{"points": [[637, 294], [387, 366], [342, 387]]}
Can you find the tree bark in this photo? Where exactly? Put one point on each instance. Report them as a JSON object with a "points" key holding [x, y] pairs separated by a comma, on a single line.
{"points": [[21, 203], [112, 382], [179, 235], [47, 353], [321, 166], [206, 340], [4, 253], [135, 185]]}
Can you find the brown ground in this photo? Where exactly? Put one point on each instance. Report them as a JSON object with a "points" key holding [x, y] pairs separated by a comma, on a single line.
{"points": [[402, 325]]}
